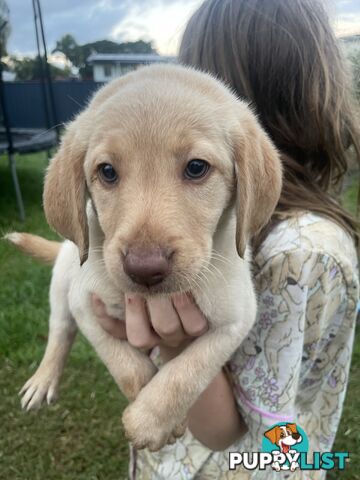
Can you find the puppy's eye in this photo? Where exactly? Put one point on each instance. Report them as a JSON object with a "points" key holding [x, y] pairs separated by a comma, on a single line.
{"points": [[196, 169], [107, 173]]}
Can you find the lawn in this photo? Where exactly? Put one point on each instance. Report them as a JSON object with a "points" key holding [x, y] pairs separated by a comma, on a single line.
{"points": [[73, 438], [80, 437]]}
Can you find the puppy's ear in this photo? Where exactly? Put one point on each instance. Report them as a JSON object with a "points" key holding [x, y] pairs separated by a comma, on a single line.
{"points": [[65, 193], [272, 435], [292, 427], [258, 176]]}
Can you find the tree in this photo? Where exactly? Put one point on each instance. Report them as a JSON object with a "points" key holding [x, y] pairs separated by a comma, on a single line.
{"points": [[30, 69], [354, 58], [78, 54], [72, 51], [351, 49], [107, 46]]}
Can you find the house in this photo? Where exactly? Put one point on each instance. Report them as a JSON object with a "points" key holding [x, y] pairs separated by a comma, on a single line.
{"points": [[351, 44], [8, 76], [107, 66]]}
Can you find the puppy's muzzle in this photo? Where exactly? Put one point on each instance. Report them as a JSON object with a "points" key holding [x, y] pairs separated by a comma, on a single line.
{"points": [[147, 267]]}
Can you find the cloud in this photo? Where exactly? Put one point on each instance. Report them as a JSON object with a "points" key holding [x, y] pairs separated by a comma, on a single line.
{"points": [[347, 17], [347, 26], [90, 20], [86, 20], [161, 21]]}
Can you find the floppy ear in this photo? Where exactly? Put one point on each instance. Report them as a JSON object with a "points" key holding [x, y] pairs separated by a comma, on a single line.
{"points": [[258, 177], [272, 435], [292, 427], [65, 193], [65, 189]]}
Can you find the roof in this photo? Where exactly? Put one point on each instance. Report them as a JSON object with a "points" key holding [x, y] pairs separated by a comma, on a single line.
{"points": [[350, 38], [129, 58]]}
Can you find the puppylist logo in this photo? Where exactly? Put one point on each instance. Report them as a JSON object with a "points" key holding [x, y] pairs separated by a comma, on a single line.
{"points": [[285, 447]]}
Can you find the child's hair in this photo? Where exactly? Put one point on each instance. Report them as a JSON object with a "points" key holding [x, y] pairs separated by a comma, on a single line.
{"points": [[283, 57]]}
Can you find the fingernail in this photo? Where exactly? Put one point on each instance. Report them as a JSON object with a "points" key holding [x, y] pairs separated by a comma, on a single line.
{"points": [[133, 298]]}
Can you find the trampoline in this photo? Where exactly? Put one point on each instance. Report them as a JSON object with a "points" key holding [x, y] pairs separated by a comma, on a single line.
{"points": [[28, 140], [24, 140]]}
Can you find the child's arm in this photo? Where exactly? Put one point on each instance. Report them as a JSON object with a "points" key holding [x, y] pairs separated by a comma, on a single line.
{"points": [[214, 419]]}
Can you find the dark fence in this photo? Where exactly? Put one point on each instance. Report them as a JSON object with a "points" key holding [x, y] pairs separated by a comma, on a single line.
{"points": [[26, 105]]}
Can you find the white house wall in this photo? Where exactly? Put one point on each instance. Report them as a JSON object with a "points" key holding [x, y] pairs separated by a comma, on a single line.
{"points": [[116, 70]]}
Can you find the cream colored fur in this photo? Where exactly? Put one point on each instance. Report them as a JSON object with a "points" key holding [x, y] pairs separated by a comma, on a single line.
{"points": [[149, 124]]}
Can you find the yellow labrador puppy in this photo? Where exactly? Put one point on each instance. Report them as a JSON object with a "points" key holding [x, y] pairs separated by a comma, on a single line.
{"points": [[158, 186]]}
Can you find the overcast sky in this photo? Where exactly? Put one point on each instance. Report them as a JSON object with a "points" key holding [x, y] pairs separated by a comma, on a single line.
{"points": [[161, 21]]}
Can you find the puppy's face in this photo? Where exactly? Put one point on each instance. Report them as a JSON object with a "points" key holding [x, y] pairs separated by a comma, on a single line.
{"points": [[160, 182], [161, 157]]}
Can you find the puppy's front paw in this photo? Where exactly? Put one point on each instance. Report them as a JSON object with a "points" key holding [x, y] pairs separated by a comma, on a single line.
{"points": [[42, 385], [135, 380], [145, 429]]}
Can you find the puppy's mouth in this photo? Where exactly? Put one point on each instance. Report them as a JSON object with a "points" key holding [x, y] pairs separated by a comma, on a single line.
{"points": [[151, 290], [173, 283]]}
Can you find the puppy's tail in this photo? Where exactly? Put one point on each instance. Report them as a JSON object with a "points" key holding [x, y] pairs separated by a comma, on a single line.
{"points": [[35, 246]]}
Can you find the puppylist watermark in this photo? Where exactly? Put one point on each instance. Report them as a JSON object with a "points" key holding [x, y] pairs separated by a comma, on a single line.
{"points": [[285, 447]]}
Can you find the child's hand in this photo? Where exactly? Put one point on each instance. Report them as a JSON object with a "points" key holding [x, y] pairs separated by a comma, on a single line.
{"points": [[113, 326], [169, 322]]}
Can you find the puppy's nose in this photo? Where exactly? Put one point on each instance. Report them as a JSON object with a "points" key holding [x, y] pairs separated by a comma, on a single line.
{"points": [[148, 267]]}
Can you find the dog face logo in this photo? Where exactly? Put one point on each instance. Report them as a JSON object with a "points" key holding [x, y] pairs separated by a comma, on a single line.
{"points": [[284, 437]]}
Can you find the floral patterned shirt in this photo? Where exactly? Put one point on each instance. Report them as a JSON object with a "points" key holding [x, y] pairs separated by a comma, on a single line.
{"points": [[294, 365]]}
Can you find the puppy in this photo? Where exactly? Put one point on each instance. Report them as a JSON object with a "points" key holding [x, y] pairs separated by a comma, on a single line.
{"points": [[157, 186]]}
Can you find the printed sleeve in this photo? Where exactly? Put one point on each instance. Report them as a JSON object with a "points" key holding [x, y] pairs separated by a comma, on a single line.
{"points": [[300, 293]]}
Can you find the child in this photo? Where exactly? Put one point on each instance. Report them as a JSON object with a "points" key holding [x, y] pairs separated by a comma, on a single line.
{"points": [[280, 55]]}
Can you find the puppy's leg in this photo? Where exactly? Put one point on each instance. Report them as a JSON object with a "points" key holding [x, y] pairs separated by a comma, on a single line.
{"points": [[130, 368], [62, 330], [164, 403]]}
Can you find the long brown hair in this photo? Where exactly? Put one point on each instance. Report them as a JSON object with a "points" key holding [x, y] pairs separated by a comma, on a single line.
{"points": [[283, 57]]}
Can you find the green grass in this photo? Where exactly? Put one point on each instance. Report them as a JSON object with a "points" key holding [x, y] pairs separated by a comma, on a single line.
{"points": [[81, 436], [350, 197]]}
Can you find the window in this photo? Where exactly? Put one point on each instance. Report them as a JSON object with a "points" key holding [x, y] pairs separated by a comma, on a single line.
{"points": [[107, 70]]}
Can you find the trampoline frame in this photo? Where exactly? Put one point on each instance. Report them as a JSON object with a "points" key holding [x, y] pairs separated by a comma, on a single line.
{"points": [[19, 199]]}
